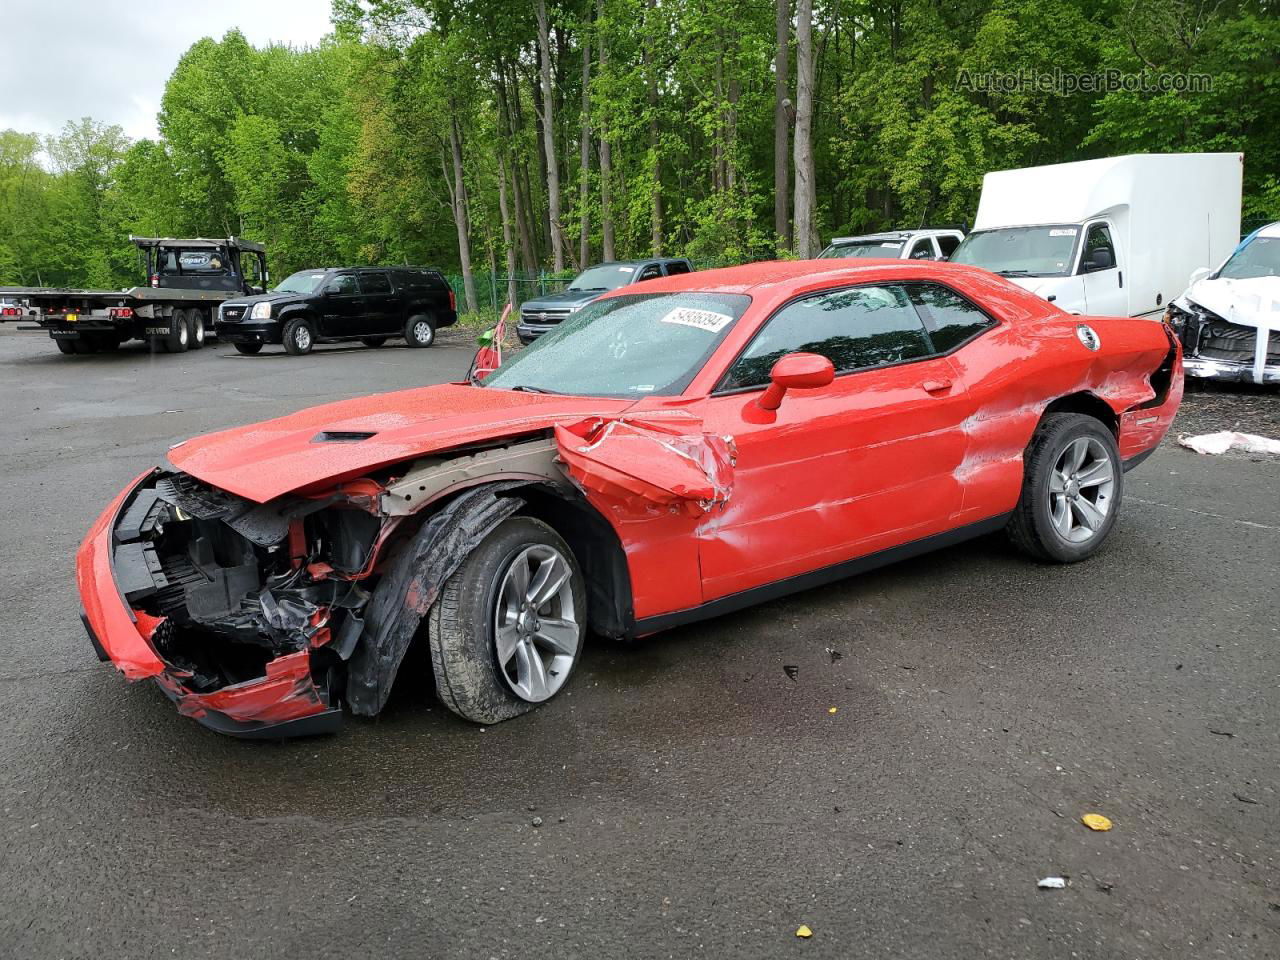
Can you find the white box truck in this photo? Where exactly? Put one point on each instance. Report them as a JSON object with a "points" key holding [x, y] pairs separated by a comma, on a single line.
{"points": [[1113, 237]]}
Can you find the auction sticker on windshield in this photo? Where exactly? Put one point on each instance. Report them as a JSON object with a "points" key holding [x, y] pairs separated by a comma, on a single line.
{"points": [[706, 320], [1063, 232]]}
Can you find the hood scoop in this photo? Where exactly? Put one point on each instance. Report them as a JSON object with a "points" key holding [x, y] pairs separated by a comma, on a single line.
{"points": [[343, 436]]}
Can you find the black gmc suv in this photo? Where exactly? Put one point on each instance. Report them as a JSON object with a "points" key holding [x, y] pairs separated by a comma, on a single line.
{"points": [[369, 304]]}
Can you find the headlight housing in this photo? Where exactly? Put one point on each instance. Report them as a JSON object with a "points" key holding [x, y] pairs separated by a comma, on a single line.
{"points": [[261, 311]]}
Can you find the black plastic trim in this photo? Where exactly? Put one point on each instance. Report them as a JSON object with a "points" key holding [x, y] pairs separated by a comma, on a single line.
{"points": [[817, 578], [1137, 460]]}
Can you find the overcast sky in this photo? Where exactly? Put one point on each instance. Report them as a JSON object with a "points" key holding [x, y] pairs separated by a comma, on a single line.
{"points": [[109, 59]]}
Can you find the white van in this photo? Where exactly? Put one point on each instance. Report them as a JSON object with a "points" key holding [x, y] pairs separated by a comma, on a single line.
{"points": [[1113, 237]]}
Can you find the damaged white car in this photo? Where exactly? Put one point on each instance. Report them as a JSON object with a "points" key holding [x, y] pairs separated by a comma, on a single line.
{"points": [[1229, 320]]}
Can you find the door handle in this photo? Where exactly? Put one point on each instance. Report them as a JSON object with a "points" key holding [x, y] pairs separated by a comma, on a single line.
{"points": [[936, 386]]}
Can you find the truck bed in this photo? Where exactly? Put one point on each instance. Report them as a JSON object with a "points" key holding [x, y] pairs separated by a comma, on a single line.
{"points": [[119, 297]]}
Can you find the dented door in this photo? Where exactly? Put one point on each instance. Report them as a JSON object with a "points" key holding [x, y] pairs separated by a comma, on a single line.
{"points": [[866, 463]]}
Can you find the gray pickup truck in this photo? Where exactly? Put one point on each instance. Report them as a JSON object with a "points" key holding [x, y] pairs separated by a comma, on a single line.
{"points": [[541, 315]]}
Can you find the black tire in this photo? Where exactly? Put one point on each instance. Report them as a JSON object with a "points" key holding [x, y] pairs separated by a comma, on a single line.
{"points": [[461, 631], [1032, 528], [299, 337], [420, 330], [196, 328], [178, 339], [248, 349], [67, 347], [104, 342], [373, 342]]}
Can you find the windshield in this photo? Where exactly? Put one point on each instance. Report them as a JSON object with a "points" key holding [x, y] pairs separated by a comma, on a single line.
{"points": [[607, 276], [643, 344], [1045, 251], [862, 249], [1260, 257], [304, 281]]}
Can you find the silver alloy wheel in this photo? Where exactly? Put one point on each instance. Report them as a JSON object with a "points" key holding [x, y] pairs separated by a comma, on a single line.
{"points": [[535, 626], [423, 333], [197, 324], [302, 337], [183, 336], [1081, 487]]}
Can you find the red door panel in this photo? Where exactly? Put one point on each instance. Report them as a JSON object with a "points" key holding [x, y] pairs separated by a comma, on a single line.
{"points": [[866, 463]]}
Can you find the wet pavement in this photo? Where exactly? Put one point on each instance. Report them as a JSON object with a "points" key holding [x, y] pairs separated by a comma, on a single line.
{"points": [[694, 798]]}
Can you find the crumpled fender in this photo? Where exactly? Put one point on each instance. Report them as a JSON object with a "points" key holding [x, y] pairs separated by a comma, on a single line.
{"points": [[412, 584], [658, 457]]}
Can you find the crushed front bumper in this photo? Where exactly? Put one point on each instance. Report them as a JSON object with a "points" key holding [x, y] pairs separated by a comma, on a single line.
{"points": [[286, 701], [1230, 371]]}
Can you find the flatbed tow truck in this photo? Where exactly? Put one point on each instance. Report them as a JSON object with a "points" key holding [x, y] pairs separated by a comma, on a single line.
{"points": [[187, 279]]}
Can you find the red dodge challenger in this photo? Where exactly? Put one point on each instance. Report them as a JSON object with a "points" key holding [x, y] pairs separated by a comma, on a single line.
{"points": [[672, 452]]}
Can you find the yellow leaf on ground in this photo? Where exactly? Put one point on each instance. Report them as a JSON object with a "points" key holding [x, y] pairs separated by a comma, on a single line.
{"points": [[1096, 821], [804, 931], [832, 710]]}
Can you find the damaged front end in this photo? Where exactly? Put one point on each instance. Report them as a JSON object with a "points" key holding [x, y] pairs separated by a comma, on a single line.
{"points": [[250, 609], [1242, 349]]}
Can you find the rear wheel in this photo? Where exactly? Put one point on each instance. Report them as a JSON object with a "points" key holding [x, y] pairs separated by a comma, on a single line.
{"points": [[374, 342], [509, 626], [420, 331], [195, 328], [179, 336], [1071, 490], [248, 349], [67, 346], [299, 338], [104, 342]]}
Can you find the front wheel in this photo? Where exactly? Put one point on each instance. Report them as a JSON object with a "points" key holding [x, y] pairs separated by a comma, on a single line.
{"points": [[1071, 490], [419, 331], [509, 626], [299, 338], [248, 349]]}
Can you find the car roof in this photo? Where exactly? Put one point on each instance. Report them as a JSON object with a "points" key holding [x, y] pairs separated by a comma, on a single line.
{"points": [[803, 273], [898, 234]]}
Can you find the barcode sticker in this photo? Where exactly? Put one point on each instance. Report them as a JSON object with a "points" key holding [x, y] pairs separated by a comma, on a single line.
{"points": [[700, 319]]}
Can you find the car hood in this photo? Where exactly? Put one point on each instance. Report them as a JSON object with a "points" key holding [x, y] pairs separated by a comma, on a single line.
{"points": [[268, 298], [314, 448], [1249, 302], [566, 298]]}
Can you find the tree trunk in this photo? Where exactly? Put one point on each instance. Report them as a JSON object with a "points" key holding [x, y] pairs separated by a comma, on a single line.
{"points": [[549, 141], [655, 159], [460, 214], [508, 240], [805, 239], [606, 162], [782, 127], [510, 127], [584, 160]]}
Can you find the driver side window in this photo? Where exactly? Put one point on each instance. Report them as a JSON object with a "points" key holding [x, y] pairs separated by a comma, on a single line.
{"points": [[344, 284], [855, 329], [651, 272], [922, 250], [1098, 238]]}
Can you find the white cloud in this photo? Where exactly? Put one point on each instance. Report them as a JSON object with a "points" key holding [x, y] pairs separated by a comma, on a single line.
{"points": [[65, 59]]}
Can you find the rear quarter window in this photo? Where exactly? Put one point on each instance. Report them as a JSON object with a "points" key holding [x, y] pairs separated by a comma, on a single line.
{"points": [[950, 319]]}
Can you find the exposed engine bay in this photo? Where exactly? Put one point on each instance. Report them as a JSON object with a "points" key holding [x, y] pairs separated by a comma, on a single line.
{"points": [[236, 584]]}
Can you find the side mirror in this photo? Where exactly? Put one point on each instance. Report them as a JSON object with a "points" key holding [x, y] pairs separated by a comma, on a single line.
{"points": [[796, 371], [1198, 275], [1101, 259]]}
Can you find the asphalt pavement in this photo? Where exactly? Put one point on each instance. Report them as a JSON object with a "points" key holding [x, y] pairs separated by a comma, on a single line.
{"points": [[893, 761]]}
